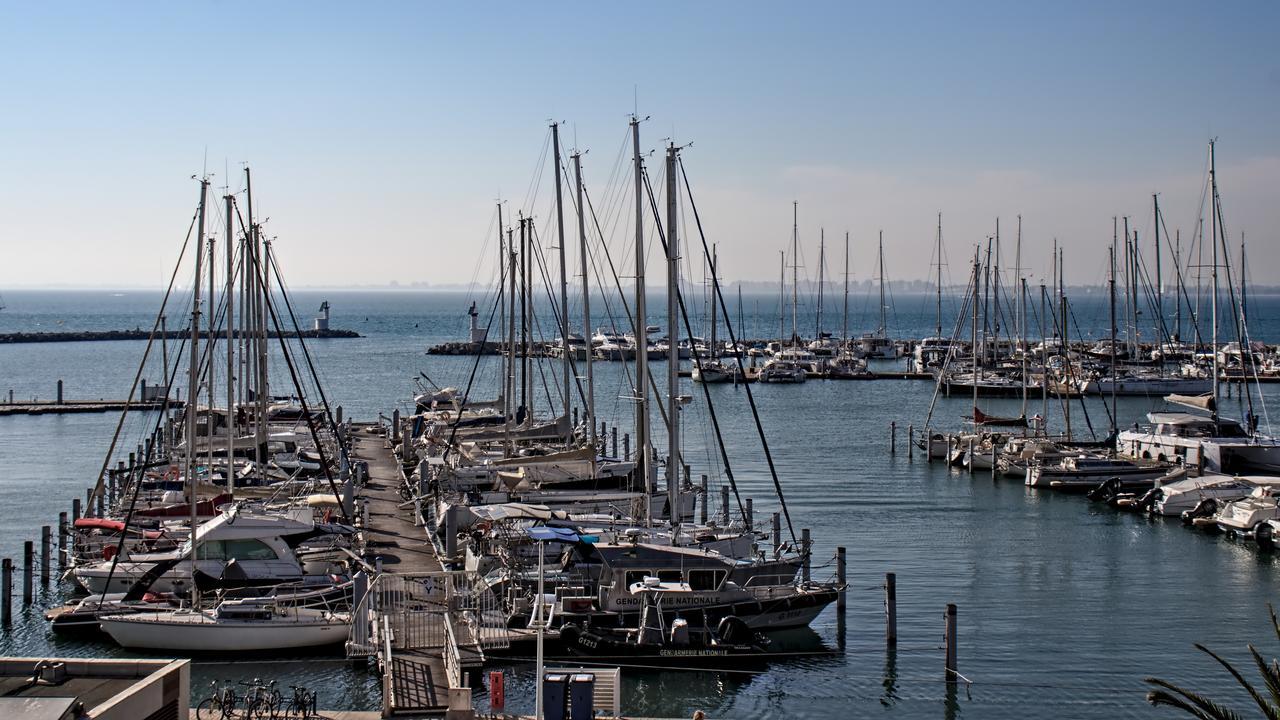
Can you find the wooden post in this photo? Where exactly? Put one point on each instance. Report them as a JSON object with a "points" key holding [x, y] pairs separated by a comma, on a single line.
{"points": [[807, 545], [950, 642], [46, 540], [395, 426], [626, 446], [575, 416], [890, 609], [62, 539], [751, 515], [59, 391], [893, 437], [702, 512], [841, 578], [613, 434], [911, 450], [777, 532], [102, 505], [75, 509], [337, 415], [6, 592], [724, 504], [969, 456], [28, 569]]}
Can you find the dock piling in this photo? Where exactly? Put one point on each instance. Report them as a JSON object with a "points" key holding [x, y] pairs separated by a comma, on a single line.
{"points": [[841, 578], [102, 505], [6, 592], [950, 643], [75, 509], [724, 504], [59, 391], [969, 455], [751, 515], [28, 569], [62, 539], [702, 512], [575, 416], [46, 540], [614, 436], [911, 451], [890, 609], [626, 446], [807, 544], [395, 427], [893, 437], [337, 415]]}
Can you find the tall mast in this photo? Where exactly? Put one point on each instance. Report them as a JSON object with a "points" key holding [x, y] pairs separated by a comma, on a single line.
{"points": [[644, 443], [995, 293], [938, 328], [1111, 292], [715, 350], [822, 260], [231, 349], [795, 271], [1213, 201], [844, 316], [782, 295], [211, 376], [674, 463], [502, 314], [977, 288], [564, 282], [1177, 264], [1044, 360], [1155, 201], [192, 394], [590, 411], [526, 300], [511, 334], [1066, 342], [1022, 312], [884, 330], [256, 343]]}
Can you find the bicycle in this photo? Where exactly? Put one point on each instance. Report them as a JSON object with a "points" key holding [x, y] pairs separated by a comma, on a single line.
{"points": [[261, 701], [221, 705], [303, 703]]}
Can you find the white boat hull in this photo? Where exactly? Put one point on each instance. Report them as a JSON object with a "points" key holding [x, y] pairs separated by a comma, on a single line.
{"points": [[202, 632]]}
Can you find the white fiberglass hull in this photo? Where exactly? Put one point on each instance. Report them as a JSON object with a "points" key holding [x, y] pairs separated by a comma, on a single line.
{"points": [[202, 632]]}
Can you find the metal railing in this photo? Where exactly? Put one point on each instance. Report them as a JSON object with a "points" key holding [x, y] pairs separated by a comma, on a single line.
{"points": [[416, 606]]}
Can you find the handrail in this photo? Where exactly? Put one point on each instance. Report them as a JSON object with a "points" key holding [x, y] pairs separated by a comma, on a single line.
{"points": [[452, 662]]}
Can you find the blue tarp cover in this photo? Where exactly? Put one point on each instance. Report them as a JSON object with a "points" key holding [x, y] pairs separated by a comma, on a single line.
{"points": [[544, 533]]}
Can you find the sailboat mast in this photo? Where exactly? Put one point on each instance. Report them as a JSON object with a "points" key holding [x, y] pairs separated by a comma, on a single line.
{"points": [[884, 330], [844, 316], [502, 313], [1180, 291], [822, 260], [231, 348], [590, 412], [211, 375], [674, 463], [193, 370], [1111, 292], [1022, 312], [564, 282], [643, 441], [938, 326], [511, 336], [795, 271], [256, 343], [714, 348], [782, 295], [1155, 201], [1213, 301]]}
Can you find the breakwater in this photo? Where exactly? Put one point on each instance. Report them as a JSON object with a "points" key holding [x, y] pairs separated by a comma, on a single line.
{"points": [[140, 334]]}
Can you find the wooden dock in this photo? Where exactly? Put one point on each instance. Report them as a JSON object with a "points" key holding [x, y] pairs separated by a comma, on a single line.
{"points": [[423, 636], [79, 406]]}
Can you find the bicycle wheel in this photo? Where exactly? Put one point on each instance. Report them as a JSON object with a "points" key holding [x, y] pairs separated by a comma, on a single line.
{"points": [[209, 709], [258, 709]]}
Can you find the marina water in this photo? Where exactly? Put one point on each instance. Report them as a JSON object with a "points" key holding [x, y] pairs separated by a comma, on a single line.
{"points": [[1063, 605]]}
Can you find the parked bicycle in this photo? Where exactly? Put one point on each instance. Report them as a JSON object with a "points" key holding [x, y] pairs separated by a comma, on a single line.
{"points": [[261, 701], [302, 704], [221, 705]]}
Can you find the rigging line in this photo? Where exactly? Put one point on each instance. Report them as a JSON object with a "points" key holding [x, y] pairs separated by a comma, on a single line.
{"points": [[466, 395], [952, 346], [556, 315], [617, 282], [1071, 311], [755, 413], [259, 272], [1180, 281], [697, 361], [155, 327], [1246, 353]]}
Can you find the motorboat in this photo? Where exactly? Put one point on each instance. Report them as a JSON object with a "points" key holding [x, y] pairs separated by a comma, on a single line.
{"points": [[1084, 472]]}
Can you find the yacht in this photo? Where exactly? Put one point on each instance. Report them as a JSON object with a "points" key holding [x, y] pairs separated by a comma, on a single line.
{"points": [[1083, 472], [1215, 445]]}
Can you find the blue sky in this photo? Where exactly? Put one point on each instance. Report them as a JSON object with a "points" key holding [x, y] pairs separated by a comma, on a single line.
{"points": [[381, 134]]}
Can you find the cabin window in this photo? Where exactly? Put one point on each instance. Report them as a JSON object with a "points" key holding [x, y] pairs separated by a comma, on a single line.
{"points": [[674, 576], [211, 550], [248, 550], [705, 579], [635, 576]]}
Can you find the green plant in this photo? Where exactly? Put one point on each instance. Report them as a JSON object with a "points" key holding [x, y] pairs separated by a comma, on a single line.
{"points": [[1199, 706]]}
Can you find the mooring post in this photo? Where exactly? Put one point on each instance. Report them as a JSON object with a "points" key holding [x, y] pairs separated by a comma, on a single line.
{"points": [[702, 512], [62, 539], [969, 455], [613, 434], [950, 633], [807, 544], [102, 505], [6, 591], [724, 504], [911, 450], [893, 437], [46, 540], [777, 532], [890, 609], [841, 578], [59, 391], [626, 446], [395, 426], [751, 515], [28, 569], [337, 415], [75, 509], [575, 416]]}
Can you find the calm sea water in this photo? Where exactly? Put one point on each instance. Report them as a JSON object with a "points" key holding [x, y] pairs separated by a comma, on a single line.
{"points": [[1063, 606]]}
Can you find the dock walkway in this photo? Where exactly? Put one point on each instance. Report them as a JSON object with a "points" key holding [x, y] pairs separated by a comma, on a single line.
{"points": [[417, 611]]}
